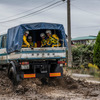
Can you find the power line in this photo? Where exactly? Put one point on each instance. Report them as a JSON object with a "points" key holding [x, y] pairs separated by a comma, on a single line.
{"points": [[48, 9], [45, 10], [86, 11], [32, 12], [87, 27], [73, 0], [27, 10], [11, 16]]}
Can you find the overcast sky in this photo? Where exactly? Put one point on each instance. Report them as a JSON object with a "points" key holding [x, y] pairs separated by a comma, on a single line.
{"points": [[85, 14]]}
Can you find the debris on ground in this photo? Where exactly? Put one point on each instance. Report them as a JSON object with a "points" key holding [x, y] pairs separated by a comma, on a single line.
{"points": [[55, 89]]}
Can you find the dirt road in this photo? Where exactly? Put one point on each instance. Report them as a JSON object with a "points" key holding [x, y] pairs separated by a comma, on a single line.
{"points": [[56, 89]]}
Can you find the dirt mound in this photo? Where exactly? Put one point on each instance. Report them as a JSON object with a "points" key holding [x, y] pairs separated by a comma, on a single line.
{"points": [[67, 82], [6, 85], [36, 89]]}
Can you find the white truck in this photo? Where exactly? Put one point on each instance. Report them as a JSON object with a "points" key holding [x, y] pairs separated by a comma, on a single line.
{"points": [[40, 62]]}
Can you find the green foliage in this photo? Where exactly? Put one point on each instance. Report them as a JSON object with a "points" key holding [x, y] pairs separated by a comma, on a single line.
{"points": [[82, 55], [96, 53]]}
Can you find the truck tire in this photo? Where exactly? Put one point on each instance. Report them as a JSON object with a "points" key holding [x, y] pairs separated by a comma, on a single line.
{"points": [[12, 74], [1, 68], [44, 81]]}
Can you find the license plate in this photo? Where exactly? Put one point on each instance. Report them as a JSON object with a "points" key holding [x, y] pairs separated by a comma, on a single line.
{"points": [[24, 66], [61, 65]]}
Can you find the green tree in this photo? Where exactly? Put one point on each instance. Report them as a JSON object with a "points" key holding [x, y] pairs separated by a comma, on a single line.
{"points": [[96, 53]]}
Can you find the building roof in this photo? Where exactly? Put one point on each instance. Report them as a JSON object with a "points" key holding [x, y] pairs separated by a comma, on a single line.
{"points": [[85, 38]]}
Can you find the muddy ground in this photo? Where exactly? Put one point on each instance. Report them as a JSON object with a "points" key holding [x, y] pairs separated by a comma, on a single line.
{"points": [[55, 89]]}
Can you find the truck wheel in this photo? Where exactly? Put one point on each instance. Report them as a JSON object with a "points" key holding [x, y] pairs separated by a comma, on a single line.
{"points": [[12, 75], [44, 81], [1, 68]]}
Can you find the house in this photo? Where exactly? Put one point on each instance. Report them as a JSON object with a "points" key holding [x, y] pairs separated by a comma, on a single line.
{"points": [[84, 40]]}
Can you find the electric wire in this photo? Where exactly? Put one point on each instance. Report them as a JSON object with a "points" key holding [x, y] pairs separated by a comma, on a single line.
{"points": [[42, 12], [27, 10], [49, 9], [86, 11], [32, 12], [46, 10], [87, 27]]}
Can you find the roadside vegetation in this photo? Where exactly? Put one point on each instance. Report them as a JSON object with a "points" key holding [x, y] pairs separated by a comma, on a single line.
{"points": [[86, 58], [82, 55], [96, 54]]}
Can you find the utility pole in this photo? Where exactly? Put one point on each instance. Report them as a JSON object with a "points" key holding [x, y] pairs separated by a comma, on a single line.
{"points": [[69, 34]]}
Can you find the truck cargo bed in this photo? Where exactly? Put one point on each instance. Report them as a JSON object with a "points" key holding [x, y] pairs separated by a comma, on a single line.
{"points": [[34, 54]]}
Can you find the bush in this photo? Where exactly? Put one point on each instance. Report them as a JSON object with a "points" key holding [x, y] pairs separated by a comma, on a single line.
{"points": [[82, 55], [96, 53], [94, 70]]}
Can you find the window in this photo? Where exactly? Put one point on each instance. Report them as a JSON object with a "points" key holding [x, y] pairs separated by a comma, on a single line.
{"points": [[4, 41]]}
